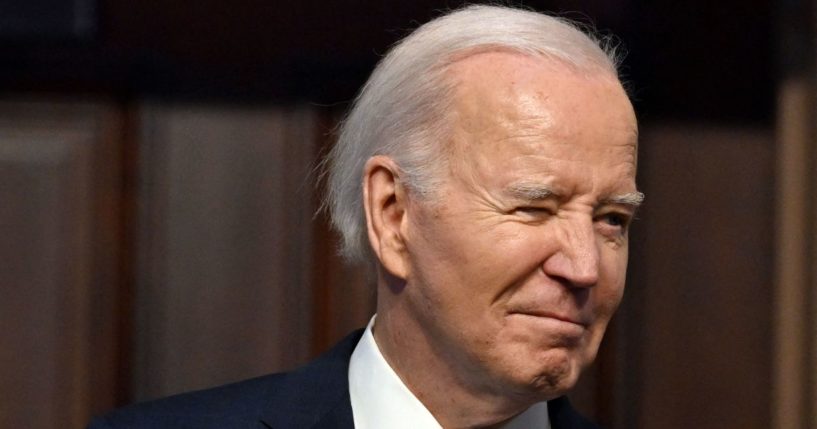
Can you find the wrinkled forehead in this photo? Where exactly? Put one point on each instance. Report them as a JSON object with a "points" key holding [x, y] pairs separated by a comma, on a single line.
{"points": [[505, 95]]}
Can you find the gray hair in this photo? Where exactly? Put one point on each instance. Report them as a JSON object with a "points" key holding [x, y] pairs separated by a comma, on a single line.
{"points": [[402, 109]]}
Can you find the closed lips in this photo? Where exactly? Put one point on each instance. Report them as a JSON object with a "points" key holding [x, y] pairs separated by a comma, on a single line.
{"points": [[568, 319]]}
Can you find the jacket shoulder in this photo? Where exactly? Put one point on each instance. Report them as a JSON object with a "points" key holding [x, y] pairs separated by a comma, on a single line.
{"points": [[235, 405]]}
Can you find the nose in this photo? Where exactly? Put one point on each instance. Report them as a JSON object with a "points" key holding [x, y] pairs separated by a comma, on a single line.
{"points": [[576, 260]]}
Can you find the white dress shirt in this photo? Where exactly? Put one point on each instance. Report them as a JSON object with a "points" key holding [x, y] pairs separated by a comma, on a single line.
{"points": [[381, 400]]}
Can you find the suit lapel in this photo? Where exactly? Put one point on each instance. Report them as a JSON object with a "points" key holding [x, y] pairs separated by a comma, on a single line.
{"points": [[315, 396], [563, 416], [338, 417]]}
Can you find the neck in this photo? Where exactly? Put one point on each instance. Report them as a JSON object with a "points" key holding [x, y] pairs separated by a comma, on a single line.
{"points": [[444, 386]]}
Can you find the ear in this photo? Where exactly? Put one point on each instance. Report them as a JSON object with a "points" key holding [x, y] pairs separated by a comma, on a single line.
{"points": [[385, 202]]}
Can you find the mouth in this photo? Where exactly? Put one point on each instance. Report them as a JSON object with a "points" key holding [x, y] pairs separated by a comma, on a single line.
{"points": [[552, 316]]}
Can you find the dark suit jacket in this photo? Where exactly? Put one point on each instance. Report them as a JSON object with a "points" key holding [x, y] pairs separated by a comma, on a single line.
{"points": [[314, 396]]}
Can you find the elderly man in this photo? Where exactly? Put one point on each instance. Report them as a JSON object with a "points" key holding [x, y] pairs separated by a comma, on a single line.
{"points": [[487, 170]]}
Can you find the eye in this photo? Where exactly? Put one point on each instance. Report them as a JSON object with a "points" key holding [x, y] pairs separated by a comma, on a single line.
{"points": [[533, 209], [614, 222], [533, 212], [615, 219]]}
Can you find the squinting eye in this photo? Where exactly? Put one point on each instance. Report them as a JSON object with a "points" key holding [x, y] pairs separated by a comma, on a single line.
{"points": [[532, 214], [533, 210]]}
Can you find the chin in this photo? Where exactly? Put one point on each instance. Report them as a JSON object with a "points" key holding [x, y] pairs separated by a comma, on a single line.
{"points": [[552, 385], [558, 374]]}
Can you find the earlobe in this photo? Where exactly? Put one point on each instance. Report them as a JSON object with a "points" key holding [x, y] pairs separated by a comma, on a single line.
{"points": [[385, 204]]}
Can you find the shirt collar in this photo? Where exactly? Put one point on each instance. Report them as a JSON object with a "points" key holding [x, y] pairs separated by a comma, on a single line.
{"points": [[380, 399]]}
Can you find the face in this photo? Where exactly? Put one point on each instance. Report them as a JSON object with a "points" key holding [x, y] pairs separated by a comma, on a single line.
{"points": [[515, 270]]}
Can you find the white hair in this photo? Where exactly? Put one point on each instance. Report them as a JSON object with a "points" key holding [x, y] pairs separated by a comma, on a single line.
{"points": [[402, 109]]}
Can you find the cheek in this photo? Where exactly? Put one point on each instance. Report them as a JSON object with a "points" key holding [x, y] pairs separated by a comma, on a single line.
{"points": [[477, 256], [609, 291], [607, 302]]}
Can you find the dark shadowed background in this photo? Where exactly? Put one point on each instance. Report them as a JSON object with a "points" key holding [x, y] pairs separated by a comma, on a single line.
{"points": [[157, 202]]}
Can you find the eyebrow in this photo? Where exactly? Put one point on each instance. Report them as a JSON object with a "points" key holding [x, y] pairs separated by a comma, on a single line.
{"points": [[634, 199], [538, 192], [531, 191]]}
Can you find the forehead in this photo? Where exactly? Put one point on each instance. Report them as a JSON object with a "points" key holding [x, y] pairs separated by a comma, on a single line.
{"points": [[541, 117]]}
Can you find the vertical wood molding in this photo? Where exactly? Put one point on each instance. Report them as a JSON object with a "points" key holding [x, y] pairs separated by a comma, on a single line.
{"points": [[795, 365], [796, 302], [811, 369]]}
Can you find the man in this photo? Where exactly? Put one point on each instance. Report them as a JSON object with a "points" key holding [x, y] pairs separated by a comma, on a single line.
{"points": [[488, 172]]}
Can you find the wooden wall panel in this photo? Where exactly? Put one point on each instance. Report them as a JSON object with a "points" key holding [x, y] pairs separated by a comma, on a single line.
{"points": [[705, 333], [226, 245], [58, 277]]}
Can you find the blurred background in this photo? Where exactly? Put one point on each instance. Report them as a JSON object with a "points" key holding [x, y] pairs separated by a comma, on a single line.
{"points": [[157, 202]]}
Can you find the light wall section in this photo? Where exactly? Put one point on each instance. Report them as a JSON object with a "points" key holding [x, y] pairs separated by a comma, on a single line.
{"points": [[225, 263], [796, 262], [59, 223], [795, 347]]}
